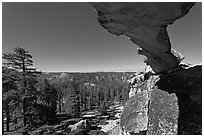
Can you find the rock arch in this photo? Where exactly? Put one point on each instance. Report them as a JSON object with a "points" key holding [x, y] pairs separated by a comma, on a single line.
{"points": [[145, 24]]}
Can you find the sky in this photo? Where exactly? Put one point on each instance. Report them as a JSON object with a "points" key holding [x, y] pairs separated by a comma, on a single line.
{"points": [[66, 37]]}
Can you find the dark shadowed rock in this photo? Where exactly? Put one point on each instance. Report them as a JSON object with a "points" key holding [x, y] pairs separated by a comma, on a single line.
{"points": [[178, 101]]}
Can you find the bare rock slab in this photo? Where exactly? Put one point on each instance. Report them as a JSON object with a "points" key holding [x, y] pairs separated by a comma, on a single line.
{"points": [[134, 117], [163, 113]]}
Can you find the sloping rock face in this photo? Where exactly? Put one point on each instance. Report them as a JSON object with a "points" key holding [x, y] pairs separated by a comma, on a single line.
{"points": [[134, 118], [167, 104], [145, 24], [163, 113]]}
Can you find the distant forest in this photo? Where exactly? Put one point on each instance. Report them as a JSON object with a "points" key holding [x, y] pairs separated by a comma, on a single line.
{"points": [[30, 97]]}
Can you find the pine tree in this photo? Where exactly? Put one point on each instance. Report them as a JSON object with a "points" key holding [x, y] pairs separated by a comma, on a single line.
{"points": [[21, 61], [10, 97], [62, 86], [76, 97], [48, 98]]}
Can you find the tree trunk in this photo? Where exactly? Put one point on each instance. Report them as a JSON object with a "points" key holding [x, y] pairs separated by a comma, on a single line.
{"points": [[85, 102], [2, 123], [60, 104], [24, 100], [7, 117], [99, 97], [24, 112], [23, 63]]}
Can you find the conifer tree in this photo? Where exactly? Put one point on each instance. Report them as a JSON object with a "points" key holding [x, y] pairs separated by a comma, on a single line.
{"points": [[10, 97], [48, 98], [74, 85], [21, 61]]}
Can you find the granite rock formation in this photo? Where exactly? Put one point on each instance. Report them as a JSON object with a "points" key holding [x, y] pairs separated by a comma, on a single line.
{"points": [[180, 105], [167, 104], [167, 98], [145, 24], [134, 118]]}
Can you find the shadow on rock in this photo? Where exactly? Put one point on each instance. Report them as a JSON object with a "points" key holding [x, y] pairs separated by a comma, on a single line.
{"points": [[181, 91]]}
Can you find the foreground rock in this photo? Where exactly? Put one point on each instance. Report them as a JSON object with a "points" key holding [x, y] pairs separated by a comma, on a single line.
{"points": [[145, 24], [134, 119], [61, 129], [163, 113], [173, 105]]}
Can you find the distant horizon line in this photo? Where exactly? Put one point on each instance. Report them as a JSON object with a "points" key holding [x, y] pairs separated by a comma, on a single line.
{"points": [[130, 70]]}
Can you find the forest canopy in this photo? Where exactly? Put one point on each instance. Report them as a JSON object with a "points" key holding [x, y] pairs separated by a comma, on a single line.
{"points": [[31, 98]]}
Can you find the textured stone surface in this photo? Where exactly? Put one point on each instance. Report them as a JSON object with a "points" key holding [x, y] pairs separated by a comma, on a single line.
{"points": [[134, 118], [163, 113], [168, 104], [136, 83], [186, 84], [145, 24], [172, 103]]}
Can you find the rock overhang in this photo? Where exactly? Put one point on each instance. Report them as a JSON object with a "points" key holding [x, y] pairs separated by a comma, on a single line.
{"points": [[145, 24]]}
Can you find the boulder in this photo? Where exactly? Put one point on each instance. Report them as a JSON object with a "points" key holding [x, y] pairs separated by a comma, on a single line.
{"points": [[115, 131], [79, 125], [82, 126], [97, 132]]}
